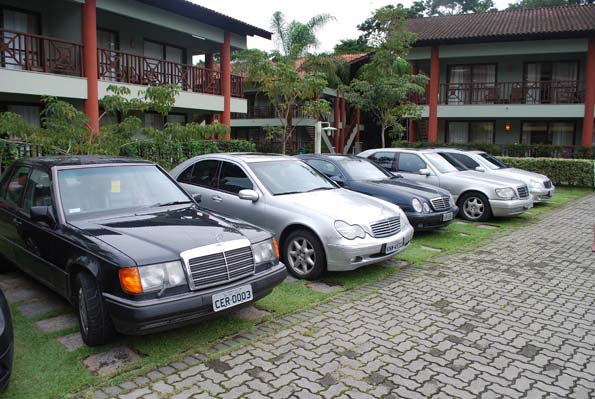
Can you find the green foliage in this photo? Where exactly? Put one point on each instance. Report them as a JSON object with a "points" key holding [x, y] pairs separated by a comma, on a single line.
{"points": [[384, 86], [522, 4], [569, 172], [351, 46], [295, 39]]}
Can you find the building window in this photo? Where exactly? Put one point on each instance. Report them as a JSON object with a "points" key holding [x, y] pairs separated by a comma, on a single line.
{"points": [[156, 121], [551, 82], [548, 133], [30, 113], [19, 53], [470, 84], [477, 132]]}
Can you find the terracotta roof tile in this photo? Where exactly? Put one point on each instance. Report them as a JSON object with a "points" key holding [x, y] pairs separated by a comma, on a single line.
{"points": [[537, 23]]}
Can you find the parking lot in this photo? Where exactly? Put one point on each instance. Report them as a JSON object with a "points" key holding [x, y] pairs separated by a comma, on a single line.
{"points": [[514, 318]]}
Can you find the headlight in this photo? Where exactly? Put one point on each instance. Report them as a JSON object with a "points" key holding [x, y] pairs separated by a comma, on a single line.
{"points": [[417, 206], [506, 193], [349, 231], [536, 184], [266, 251], [160, 276], [427, 207], [452, 200]]}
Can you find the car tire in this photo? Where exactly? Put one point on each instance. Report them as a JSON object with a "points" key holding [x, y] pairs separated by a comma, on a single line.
{"points": [[304, 255], [95, 324], [475, 207]]}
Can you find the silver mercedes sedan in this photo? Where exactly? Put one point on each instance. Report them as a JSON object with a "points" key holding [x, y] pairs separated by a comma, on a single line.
{"points": [[319, 225]]}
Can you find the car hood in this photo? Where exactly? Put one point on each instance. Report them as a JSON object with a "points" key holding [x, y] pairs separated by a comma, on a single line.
{"points": [[520, 174], [342, 204], [411, 187], [493, 180], [154, 237]]}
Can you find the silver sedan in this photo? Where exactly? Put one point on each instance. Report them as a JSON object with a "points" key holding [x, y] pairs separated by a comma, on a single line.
{"points": [[319, 225]]}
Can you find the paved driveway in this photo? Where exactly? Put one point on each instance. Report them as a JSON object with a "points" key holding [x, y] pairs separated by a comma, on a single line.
{"points": [[515, 318]]}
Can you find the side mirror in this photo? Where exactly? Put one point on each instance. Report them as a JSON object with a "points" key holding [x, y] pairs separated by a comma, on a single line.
{"points": [[480, 169], [43, 214], [249, 195], [425, 172], [197, 198], [337, 179]]}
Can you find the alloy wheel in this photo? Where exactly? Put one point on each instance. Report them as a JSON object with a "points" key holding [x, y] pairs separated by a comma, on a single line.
{"points": [[301, 255], [83, 311], [474, 208]]}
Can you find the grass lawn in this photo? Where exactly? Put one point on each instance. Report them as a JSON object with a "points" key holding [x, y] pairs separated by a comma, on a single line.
{"points": [[43, 369]]}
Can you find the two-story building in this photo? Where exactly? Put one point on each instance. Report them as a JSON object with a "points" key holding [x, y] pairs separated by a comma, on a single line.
{"points": [[75, 49], [507, 77]]}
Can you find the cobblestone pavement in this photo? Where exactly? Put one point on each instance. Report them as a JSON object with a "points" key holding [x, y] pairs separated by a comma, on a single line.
{"points": [[515, 318]]}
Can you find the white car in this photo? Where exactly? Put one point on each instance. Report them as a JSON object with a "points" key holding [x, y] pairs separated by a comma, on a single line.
{"points": [[540, 186], [319, 225]]}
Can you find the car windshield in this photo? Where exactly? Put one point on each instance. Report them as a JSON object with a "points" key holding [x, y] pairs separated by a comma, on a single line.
{"points": [[441, 164], [493, 162], [290, 177], [362, 169], [97, 191]]}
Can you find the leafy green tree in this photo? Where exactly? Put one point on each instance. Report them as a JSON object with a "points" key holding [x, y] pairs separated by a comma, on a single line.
{"points": [[285, 87], [297, 39], [384, 86], [351, 46], [522, 4]]}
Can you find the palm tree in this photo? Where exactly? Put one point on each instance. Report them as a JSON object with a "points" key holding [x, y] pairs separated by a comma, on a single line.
{"points": [[296, 39]]}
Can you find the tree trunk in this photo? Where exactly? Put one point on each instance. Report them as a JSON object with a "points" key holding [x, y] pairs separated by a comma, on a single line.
{"points": [[383, 128]]}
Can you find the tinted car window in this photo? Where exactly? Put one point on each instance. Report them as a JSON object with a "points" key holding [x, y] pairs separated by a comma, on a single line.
{"points": [[38, 190], [465, 160], [410, 163], [324, 166], [16, 185], [204, 174], [289, 177], [385, 159], [453, 161], [186, 176], [233, 179]]}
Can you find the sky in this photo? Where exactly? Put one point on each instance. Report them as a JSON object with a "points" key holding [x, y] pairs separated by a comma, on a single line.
{"points": [[348, 15]]}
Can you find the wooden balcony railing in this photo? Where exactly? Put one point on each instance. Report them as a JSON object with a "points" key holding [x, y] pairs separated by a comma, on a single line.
{"points": [[118, 66], [528, 92], [29, 52]]}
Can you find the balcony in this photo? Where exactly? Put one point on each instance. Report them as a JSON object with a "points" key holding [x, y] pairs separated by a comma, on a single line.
{"points": [[266, 112], [29, 52], [527, 92]]}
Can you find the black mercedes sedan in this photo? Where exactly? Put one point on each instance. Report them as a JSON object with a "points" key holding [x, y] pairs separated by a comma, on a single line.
{"points": [[427, 207], [127, 246], [6, 342]]}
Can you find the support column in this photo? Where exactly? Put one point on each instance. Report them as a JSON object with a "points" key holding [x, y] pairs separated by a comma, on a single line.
{"points": [[433, 95], [344, 131], [412, 123], [587, 140], [89, 33], [337, 123], [226, 80], [358, 120]]}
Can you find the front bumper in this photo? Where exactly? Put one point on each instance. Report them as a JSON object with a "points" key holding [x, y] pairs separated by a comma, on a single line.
{"points": [[350, 255], [502, 208], [431, 221], [144, 317], [543, 194]]}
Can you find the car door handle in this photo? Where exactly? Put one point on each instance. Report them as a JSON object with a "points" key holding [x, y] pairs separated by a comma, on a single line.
{"points": [[216, 198]]}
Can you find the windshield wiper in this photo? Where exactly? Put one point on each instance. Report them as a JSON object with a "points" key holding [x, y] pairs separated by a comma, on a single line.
{"points": [[290, 192], [320, 188], [162, 204]]}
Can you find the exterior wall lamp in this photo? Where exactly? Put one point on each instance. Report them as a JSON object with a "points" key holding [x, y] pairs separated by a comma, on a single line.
{"points": [[507, 127]]}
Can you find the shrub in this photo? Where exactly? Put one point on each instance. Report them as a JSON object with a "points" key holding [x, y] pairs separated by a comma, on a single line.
{"points": [[571, 172]]}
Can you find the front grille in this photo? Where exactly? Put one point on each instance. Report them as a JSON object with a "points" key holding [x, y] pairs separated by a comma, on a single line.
{"points": [[386, 228], [523, 191], [547, 184], [221, 267], [441, 203]]}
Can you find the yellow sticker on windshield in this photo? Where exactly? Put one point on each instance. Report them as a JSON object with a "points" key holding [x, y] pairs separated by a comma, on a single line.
{"points": [[115, 186]]}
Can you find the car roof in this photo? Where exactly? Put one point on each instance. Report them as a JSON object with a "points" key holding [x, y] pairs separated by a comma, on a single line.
{"points": [[332, 157], [406, 149], [249, 157], [76, 160]]}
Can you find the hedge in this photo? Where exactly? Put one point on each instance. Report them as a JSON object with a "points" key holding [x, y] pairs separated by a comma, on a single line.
{"points": [[569, 172]]}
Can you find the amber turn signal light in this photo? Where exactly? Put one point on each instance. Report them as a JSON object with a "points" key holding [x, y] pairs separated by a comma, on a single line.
{"points": [[276, 246], [130, 280]]}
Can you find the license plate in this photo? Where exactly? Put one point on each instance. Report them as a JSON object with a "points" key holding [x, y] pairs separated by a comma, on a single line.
{"points": [[230, 298], [393, 246], [447, 216]]}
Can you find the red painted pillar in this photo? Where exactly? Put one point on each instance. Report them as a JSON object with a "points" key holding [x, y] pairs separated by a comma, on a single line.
{"points": [[337, 123], [433, 95], [343, 123], [226, 80], [589, 96], [89, 27], [415, 99]]}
